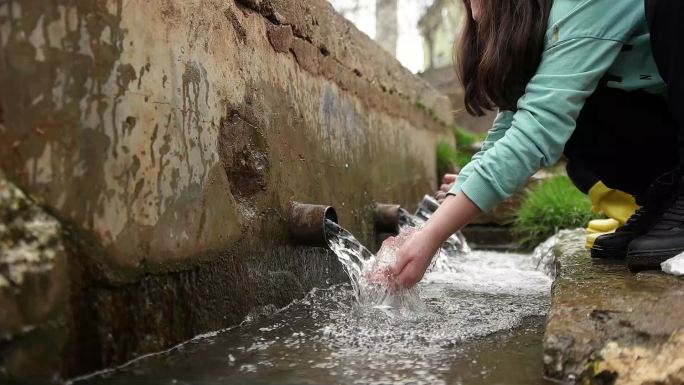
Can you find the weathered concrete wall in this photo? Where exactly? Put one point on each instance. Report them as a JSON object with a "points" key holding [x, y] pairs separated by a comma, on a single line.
{"points": [[609, 326], [168, 137]]}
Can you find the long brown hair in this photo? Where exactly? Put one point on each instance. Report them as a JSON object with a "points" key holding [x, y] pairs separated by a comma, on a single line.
{"points": [[498, 55]]}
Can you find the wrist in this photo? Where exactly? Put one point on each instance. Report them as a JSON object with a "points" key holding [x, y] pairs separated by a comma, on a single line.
{"points": [[432, 239]]}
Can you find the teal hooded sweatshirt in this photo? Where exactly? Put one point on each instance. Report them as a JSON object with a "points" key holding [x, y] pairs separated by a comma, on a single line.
{"points": [[585, 40]]}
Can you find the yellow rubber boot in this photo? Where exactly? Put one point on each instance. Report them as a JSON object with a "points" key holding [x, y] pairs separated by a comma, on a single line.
{"points": [[591, 238], [614, 203], [617, 205], [598, 227], [607, 225]]}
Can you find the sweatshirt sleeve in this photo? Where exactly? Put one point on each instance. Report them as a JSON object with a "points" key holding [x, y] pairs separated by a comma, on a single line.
{"points": [[502, 122], [568, 74]]}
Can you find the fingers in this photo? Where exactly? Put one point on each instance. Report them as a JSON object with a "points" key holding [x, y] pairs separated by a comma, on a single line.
{"points": [[446, 187], [442, 193], [402, 260], [409, 276], [449, 178], [447, 183]]}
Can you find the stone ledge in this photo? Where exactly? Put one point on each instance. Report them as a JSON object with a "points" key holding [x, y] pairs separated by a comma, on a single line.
{"points": [[608, 326]]}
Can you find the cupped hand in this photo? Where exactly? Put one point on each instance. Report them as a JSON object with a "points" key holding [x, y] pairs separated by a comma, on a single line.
{"points": [[414, 258], [447, 183]]}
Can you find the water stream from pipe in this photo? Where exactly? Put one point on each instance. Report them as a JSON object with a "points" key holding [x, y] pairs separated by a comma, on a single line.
{"points": [[370, 275]]}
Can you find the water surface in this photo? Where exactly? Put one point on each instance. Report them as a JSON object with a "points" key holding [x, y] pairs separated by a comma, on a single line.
{"points": [[480, 323]]}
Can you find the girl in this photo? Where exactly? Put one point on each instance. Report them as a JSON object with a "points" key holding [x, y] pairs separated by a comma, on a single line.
{"points": [[598, 80]]}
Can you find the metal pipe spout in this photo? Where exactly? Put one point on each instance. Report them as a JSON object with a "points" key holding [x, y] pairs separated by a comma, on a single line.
{"points": [[387, 218], [306, 223]]}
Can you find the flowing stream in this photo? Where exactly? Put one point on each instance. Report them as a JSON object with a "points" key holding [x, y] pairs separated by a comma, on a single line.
{"points": [[476, 318]]}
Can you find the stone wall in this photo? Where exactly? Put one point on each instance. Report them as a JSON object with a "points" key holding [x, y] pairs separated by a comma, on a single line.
{"points": [[167, 139], [446, 81]]}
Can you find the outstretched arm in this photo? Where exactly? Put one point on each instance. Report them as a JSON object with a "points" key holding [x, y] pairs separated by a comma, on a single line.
{"points": [[535, 135]]}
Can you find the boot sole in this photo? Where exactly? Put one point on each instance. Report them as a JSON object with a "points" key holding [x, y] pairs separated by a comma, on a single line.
{"points": [[598, 252], [649, 260]]}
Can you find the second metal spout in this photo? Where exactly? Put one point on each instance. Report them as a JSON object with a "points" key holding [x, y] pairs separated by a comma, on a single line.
{"points": [[387, 217]]}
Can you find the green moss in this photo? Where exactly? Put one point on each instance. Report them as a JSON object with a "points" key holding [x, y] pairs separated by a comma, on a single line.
{"points": [[464, 145], [447, 158], [463, 158], [464, 138], [548, 207]]}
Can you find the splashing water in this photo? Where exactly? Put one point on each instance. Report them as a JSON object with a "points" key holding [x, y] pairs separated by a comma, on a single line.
{"points": [[543, 256], [328, 338], [452, 246], [371, 276], [374, 334], [455, 245]]}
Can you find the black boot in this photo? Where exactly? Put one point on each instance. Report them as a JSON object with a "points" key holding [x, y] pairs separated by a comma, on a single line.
{"points": [[615, 245], [662, 242]]}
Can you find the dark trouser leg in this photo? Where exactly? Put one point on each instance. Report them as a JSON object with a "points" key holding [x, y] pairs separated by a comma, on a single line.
{"points": [[624, 139], [581, 174], [665, 19]]}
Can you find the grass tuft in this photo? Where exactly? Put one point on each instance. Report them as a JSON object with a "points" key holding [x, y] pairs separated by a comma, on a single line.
{"points": [[552, 205]]}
